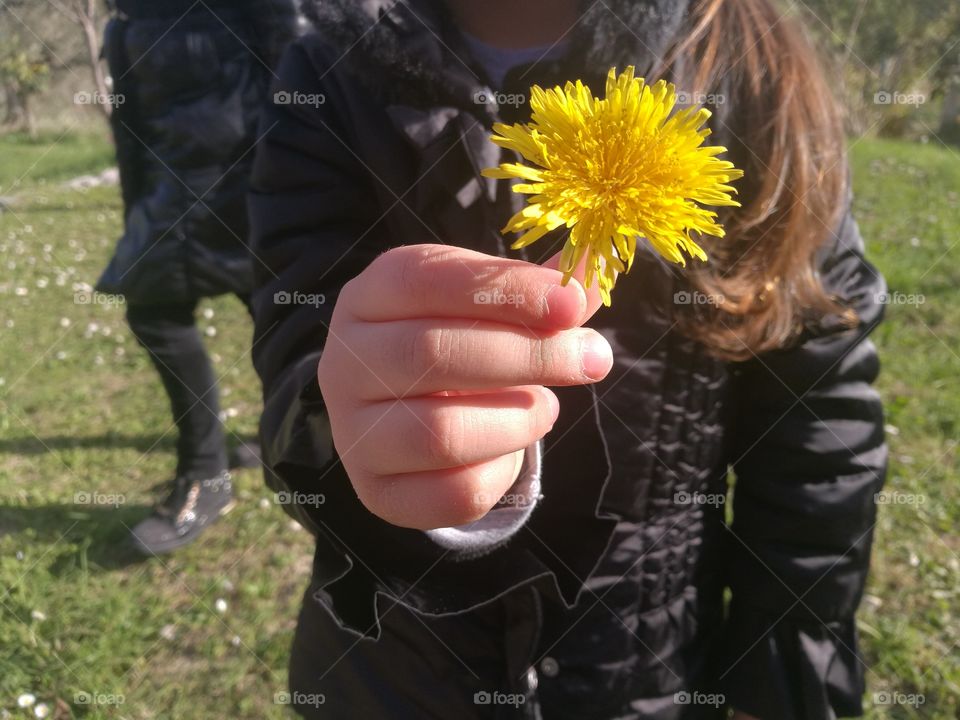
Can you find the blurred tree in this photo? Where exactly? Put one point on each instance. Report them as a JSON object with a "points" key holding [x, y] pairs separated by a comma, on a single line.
{"points": [[948, 77], [950, 114], [47, 31], [24, 63], [86, 14], [883, 49], [23, 75]]}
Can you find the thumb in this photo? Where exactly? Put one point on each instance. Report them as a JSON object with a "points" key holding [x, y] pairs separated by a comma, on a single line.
{"points": [[594, 301]]}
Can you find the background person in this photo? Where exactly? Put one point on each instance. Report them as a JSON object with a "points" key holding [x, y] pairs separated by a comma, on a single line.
{"points": [[193, 77]]}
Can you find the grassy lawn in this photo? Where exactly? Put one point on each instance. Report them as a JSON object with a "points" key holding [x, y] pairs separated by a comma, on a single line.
{"points": [[908, 206], [51, 157], [81, 411]]}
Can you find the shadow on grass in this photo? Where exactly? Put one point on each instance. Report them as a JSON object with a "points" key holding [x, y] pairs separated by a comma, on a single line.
{"points": [[33, 445], [38, 208], [100, 533]]}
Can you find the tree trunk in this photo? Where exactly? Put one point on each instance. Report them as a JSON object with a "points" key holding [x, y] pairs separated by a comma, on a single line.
{"points": [[18, 114], [88, 22], [14, 107], [950, 115], [29, 121], [84, 13]]}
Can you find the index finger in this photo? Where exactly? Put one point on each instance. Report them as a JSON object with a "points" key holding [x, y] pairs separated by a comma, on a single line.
{"points": [[420, 281]]}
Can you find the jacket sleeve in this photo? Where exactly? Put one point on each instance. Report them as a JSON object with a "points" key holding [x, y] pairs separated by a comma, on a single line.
{"points": [[809, 456], [314, 209], [123, 117], [276, 27]]}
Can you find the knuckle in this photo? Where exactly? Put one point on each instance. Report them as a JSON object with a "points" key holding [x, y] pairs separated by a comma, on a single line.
{"points": [[559, 357], [477, 504], [540, 357], [326, 368], [410, 279], [323, 372], [443, 435], [512, 281], [391, 499], [348, 298], [425, 351], [386, 262], [481, 495], [393, 268], [433, 256], [418, 270], [378, 495], [409, 353]]}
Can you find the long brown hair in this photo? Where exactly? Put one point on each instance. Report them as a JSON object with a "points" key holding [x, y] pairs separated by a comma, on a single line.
{"points": [[785, 131]]}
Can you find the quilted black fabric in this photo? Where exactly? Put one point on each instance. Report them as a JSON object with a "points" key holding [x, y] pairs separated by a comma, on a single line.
{"points": [[610, 602]]}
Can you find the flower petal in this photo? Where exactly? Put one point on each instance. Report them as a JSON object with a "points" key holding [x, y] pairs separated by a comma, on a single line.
{"points": [[615, 169]]}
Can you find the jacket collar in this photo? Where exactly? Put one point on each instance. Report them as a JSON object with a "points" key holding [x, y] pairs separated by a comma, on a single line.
{"points": [[409, 51], [409, 54]]}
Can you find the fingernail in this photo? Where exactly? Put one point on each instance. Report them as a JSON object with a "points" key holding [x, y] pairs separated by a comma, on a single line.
{"points": [[596, 357], [566, 303]]}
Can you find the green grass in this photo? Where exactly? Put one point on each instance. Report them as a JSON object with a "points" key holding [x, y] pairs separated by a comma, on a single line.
{"points": [[908, 206], [51, 157], [81, 410]]}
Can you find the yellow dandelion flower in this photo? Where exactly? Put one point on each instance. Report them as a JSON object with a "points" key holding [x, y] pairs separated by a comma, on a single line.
{"points": [[613, 170]]}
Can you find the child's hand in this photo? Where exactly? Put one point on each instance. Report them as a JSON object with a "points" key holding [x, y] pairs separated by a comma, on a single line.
{"points": [[433, 375]]}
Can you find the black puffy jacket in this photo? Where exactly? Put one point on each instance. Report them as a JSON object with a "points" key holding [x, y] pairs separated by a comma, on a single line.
{"points": [[191, 79], [610, 601]]}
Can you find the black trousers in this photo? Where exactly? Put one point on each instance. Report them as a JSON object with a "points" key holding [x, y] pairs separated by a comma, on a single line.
{"points": [[169, 334]]}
